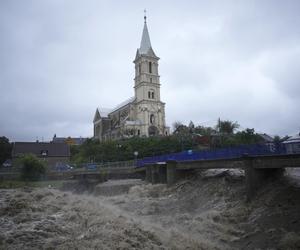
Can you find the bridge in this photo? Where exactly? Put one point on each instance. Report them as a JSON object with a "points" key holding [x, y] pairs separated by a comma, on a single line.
{"points": [[257, 169], [258, 161]]}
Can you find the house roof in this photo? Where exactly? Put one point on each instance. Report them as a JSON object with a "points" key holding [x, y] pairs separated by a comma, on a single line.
{"points": [[293, 139], [75, 140], [266, 137], [53, 149]]}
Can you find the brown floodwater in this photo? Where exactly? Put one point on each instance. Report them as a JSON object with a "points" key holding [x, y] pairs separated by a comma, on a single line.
{"points": [[206, 211]]}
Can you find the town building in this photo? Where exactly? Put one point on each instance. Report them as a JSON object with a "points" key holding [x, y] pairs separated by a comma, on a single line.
{"points": [[52, 153], [143, 114], [69, 140], [292, 144]]}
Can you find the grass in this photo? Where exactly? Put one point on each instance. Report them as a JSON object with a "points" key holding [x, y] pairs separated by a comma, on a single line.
{"points": [[7, 184]]}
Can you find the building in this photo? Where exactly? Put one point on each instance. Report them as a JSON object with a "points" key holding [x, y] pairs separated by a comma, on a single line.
{"points": [[69, 140], [144, 113], [292, 144], [52, 153]]}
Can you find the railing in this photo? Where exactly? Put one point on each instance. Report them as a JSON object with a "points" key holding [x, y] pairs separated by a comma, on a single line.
{"points": [[116, 164], [224, 153]]}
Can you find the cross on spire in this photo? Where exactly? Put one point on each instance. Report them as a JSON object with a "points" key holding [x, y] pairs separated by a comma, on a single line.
{"points": [[145, 16]]}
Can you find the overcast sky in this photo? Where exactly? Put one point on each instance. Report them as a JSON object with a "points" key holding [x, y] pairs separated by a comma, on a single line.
{"points": [[60, 59]]}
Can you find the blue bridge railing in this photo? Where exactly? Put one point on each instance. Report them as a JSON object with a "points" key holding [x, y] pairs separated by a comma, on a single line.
{"points": [[224, 153]]}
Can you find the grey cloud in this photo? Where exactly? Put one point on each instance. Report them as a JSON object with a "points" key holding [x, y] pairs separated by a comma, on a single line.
{"points": [[61, 59]]}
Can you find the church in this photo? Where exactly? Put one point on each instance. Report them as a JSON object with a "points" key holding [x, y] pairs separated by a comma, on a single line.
{"points": [[143, 114]]}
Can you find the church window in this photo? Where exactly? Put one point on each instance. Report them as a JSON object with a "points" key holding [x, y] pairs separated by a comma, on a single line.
{"points": [[152, 95], [150, 79], [149, 94], [150, 67], [140, 68]]}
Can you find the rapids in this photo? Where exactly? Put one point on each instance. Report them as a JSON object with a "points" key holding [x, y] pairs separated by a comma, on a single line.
{"points": [[207, 211]]}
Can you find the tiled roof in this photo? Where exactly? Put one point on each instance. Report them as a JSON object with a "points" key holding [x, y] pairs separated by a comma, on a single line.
{"points": [[52, 149]]}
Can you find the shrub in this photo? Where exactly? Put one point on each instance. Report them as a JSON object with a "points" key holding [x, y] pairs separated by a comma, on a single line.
{"points": [[32, 168]]}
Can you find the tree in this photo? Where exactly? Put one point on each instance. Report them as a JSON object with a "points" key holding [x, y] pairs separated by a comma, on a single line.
{"points": [[32, 168], [227, 127], [176, 125], [191, 127], [5, 149]]}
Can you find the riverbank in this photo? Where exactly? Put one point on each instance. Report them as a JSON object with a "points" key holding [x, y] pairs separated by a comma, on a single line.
{"points": [[207, 211]]}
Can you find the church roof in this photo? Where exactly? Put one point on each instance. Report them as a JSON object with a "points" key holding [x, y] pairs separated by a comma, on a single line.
{"points": [[104, 111], [145, 42], [145, 47], [122, 104]]}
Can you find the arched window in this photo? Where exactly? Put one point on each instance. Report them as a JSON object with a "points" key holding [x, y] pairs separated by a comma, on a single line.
{"points": [[150, 67], [151, 94], [152, 119], [140, 68]]}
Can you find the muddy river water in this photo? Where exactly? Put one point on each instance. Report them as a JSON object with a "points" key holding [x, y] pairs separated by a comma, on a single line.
{"points": [[207, 211]]}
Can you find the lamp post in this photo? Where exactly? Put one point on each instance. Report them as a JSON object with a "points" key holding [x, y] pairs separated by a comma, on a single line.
{"points": [[135, 153]]}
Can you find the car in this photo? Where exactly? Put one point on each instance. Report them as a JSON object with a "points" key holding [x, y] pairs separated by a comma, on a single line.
{"points": [[91, 166], [63, 167], [7, 163]]}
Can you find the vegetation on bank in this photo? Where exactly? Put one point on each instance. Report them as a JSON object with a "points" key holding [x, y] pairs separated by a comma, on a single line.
{"points": [[33, 169], [184, 138], [5, 149]]}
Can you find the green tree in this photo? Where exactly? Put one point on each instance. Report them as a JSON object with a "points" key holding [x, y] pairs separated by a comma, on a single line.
{"points": [[32, 168], [227, 127], [5, 149]]}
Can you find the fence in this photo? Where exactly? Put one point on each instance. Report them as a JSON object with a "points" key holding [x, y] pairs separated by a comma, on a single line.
{"points": [[224, 153]]}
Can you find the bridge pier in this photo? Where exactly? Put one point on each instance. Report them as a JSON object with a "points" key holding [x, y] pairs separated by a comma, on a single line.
{"points": [[253, 177], [256, 177], [156, 173], [148, 173], [162, 172], [172, 174]]}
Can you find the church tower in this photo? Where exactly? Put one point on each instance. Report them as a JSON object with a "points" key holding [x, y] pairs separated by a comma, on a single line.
{"points": [[149, 108], [142, 115]]}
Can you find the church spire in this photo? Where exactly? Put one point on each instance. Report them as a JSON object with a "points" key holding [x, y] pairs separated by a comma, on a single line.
{"points": [[145, 42]]}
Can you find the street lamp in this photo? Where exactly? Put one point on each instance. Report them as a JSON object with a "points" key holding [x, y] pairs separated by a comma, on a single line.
{"points": [[135, 153]]}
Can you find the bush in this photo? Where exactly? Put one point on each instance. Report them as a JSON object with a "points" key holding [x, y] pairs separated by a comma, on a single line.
{"points": [[32, 168]]}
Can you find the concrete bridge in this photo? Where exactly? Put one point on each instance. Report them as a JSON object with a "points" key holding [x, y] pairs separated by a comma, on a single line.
{"points": [[257, 169]]}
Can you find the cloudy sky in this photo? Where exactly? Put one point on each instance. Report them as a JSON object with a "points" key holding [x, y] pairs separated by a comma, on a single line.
{"points": [[60, 59]]}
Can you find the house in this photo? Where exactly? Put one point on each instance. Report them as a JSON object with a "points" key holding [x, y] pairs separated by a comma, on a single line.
{"points": [[292, 144], [52, 153], [69, 140]]}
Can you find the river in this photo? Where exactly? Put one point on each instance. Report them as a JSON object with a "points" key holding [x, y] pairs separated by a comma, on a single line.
{"points": [[207, 211]]}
